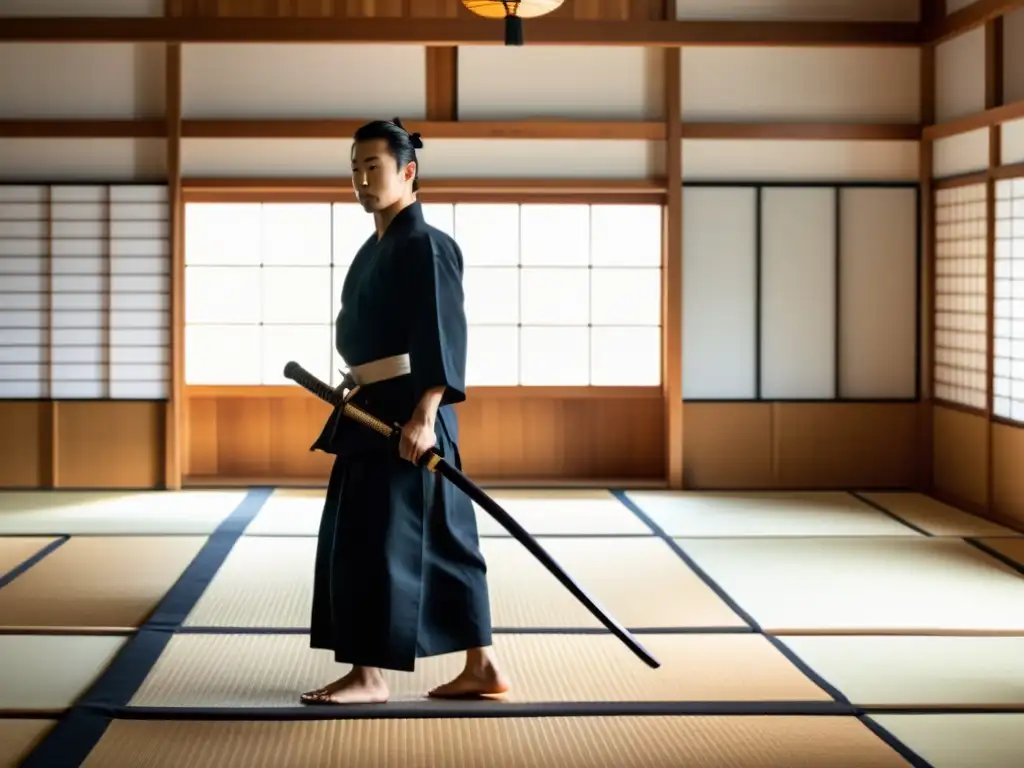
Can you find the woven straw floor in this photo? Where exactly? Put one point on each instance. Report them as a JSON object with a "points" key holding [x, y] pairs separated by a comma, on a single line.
{"points": [[805, 630]]}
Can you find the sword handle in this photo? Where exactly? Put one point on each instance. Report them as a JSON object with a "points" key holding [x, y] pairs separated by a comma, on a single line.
{"points": [[305, 379]]}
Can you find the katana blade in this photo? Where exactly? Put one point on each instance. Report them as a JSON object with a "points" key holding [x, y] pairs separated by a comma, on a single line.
{"points": [[436, 463]]}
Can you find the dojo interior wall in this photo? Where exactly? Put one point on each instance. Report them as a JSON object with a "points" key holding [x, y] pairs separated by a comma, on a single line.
{"points": [[801, 325], [977, 379]]}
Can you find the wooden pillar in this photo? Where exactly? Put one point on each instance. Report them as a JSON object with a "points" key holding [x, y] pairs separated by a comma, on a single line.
{"points": [[672, 292]]}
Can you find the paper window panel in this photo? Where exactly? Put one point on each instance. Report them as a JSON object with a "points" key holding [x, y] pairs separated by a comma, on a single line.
{"points": [[80, 284], [961, 346], [24, 287], [1008, 302], [139, 356], [543, 307]]}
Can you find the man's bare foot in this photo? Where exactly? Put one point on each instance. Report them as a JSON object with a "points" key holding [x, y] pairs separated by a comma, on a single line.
{"points": [[480, 677], [360, 686]]}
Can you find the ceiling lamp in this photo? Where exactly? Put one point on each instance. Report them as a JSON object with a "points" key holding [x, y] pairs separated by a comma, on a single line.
{"points": [[513, 11]]}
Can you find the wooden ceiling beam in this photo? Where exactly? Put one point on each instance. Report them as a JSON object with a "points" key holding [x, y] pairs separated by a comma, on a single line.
{"points": [[449, 32], [990, 117], [966, 19], [430, 129], [83, 129], [576, 130]]}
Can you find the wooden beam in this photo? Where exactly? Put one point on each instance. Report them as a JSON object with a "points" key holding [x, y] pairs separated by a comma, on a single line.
{"points": [[993, 100], [625, 130], [175, 442], [331, 190], [672, 275], [458, 31], [990, 117], [930, 11], [967, 18], [817, 131], [561, 186], [83, 129], [442, 83], [236, 391], [343, 128]]}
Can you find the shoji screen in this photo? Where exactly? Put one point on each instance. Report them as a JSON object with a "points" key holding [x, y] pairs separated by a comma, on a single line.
{"points": [[1008, 310], [140, 293], [80, 274], [720, 287], [800, 292], [86, 292], [961, 346], [24, 287]]}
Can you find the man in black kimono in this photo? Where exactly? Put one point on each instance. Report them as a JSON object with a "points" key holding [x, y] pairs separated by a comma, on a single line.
{"points": [[399, 574]]}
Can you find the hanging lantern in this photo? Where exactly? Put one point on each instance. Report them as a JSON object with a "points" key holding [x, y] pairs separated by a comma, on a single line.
{"points": [[513, 11]]}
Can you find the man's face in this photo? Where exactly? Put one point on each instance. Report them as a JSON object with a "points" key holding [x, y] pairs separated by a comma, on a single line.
{"points": [[377, 180]]}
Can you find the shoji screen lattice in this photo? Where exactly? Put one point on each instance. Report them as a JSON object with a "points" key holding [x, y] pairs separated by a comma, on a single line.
{"points": [[84, 292]]}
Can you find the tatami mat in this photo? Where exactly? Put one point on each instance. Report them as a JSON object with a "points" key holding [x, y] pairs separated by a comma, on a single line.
{"points": [[267, 582], [296, 512], [15, 550], [546, 742], [112, 513], [250, 670], [18, 737], [919, 672], [264, 582], [961, 741], [289, 512], [937, 518], [699, 514], [1013, 549], [47, 673], [97, 582], [865, 585], [640, 581]]}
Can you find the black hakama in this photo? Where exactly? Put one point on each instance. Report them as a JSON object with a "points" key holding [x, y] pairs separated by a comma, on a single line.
{"points": [[399, 574]]}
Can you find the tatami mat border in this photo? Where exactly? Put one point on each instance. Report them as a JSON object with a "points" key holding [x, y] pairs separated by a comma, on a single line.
{"points": [[1008, 562], [889, 513], [76, 734], [16, 571]]}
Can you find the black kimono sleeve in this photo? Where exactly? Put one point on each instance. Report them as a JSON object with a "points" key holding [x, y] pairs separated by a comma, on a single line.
{"points": [[438, 328]]}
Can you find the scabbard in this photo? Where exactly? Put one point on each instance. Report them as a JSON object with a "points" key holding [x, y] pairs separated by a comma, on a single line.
{"points": [[433, 461]]}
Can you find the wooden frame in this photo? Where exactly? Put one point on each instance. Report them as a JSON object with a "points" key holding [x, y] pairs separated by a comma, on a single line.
{"points": [[466, 29], [576, 130]]}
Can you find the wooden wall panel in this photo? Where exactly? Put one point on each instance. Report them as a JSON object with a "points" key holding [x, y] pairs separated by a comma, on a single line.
{"points": [[602, 437], [960, 456], [255, 437], [800, 445], [24, 443], [591, 10], [82, 444], [110, 444], [505, 436], [1008, 473]]}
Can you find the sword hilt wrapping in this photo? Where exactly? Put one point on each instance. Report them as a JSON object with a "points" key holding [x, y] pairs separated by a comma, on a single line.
{"points": [[305, 379]]}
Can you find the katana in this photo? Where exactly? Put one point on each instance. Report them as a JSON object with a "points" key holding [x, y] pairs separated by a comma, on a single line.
{"points": [[433, 461]]}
